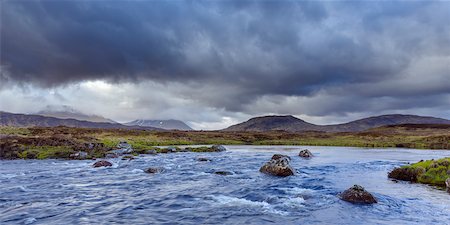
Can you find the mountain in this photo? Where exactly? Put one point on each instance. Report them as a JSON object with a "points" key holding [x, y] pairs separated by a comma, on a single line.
{"points": [[293, 124], [163, 124], [268, 123], [66, 112], [24, 120]]}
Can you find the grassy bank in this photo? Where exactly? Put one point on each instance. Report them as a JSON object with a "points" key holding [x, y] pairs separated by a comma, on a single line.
{"points": [[433, 172], [58, 142]]}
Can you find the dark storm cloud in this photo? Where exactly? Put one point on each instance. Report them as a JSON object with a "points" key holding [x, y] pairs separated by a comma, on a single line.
{"points": [[235, 51]]}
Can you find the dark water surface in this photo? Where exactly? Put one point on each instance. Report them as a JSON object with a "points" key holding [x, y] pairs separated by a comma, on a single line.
{"points": [[72, 192]]}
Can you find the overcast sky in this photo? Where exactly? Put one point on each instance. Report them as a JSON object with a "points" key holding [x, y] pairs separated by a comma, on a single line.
{"points": [[215, 63]]}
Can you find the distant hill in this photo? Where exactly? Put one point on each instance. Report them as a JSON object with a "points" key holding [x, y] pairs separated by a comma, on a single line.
{"points": [[66, 112], [293, 124], [24, 120], [163, 124]]}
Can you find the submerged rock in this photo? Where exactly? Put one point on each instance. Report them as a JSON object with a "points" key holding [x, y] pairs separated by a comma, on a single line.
{"points": [[153, 170], [305, 153], [357, 194], [223, 173], [202, 159], [102, 163], [278, 166]]}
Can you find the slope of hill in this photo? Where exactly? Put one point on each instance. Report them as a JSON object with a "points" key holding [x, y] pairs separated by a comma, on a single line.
{"points": [[66, 112], [293, 124], [383, 120], [163, 124], [23, 120]]}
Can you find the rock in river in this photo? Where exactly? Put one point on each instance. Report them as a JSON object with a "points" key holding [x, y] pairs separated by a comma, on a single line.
{"points": [[202, 159], [278, 166], [102, 163], [218, 148], [223, 173], [305, 153], [357, 194], [153, 170]]}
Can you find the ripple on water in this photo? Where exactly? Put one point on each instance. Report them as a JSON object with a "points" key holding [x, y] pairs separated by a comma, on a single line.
{"points": [[188, 192]]}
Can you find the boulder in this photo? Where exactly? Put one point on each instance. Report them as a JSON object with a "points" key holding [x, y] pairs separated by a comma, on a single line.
{"points": [[305, 153], [357, 194], [223, 173], [218, 148], [102, 163], [278, 166], [153, 170], [447, 183]]}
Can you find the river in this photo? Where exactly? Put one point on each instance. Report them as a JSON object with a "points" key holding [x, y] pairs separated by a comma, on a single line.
{"points": [[188, 192]]}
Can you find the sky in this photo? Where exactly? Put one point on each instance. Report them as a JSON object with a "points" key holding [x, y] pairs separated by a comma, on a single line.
{"points": [[216, 63]]}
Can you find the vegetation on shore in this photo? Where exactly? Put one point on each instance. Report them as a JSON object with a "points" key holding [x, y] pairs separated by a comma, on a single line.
{"points": [[61, 142], [434, 172]]}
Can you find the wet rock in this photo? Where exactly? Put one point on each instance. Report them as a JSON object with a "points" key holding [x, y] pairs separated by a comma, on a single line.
{"points": [[153, 170], [172, 149], [447, 184], [223, 173], [305, 153], [357, 194], [218, 148], [406, 173], [102, 163], [279, 156], [202, 159], [278, 166], [79, 155]]}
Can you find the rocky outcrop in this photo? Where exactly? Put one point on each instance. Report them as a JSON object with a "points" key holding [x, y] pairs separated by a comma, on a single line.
{"points": [[102, 163], [357, 194], [406, 173], [278, 166], [305, 153], [153, 170]]}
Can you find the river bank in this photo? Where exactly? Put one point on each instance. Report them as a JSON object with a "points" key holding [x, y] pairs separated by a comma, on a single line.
{"points": [[61, 142]]}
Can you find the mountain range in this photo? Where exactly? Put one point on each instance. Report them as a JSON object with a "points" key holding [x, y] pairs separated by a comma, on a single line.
{"points": [[24, 120], [294, 124], [163, 124]]}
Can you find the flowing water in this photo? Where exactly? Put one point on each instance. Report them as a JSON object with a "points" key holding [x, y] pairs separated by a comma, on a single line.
{"points": [[188, 192]]}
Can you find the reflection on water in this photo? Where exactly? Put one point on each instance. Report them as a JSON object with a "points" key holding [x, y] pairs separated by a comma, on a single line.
{"points": [[188, 192]]}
